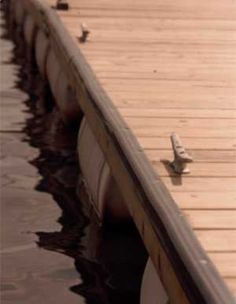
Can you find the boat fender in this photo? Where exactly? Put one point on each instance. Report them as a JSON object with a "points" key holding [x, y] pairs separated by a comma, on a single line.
{"points": [[29, 30], [66, 99], [111, 197], [41, 52], [52, 70], [152, 290], [104, 193]]}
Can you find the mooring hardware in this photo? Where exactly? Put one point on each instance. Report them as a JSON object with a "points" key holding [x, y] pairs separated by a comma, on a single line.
{"points": [[62, 5], [85, 32], [181, 157]]}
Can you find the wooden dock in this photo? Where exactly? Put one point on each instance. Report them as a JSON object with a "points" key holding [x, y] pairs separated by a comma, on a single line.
{"points": [[160, 67]]}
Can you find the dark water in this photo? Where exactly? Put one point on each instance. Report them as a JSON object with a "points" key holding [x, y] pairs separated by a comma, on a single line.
{"points": [[110, 259]]}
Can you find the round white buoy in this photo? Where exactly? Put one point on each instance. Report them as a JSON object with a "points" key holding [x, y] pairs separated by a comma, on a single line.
{"points": [[152, 290], [52, 70], [41, 52], [105, 195], [29, 29], [66, 99]]}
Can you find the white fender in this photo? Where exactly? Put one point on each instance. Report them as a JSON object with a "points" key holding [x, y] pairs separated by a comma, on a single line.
{"points": [[52, 70], [29, 30], [152, 290], [101, 186], [66, 98], [41, 51]]}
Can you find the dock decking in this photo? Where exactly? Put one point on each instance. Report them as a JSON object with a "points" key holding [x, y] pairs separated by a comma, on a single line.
{"points": [[169, 67]]}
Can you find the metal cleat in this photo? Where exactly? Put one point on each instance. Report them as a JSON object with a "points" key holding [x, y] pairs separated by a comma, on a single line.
{"points": [[85, 32], [181, 157], [62, 5]]}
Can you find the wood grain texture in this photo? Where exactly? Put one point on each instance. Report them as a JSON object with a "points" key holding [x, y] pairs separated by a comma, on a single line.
{"points": [[211, 239]]}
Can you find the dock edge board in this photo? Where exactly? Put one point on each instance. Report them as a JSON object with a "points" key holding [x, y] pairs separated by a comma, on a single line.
{"points": [[187, 273]]}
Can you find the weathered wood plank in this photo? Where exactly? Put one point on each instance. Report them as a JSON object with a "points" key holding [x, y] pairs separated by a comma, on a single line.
{"points": [[199, 156], [210, 239], [163, 168], [173, 99], [198, 184], [177, 113], [231, 282], [211, 219], [226, 263], [217, 199], [211, 144], [188, 123], [166, 131]]}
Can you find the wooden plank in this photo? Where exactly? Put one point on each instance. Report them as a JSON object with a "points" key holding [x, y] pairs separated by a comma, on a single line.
{"points": [[211, 219], [211, 239], [177, 113], [226, 263], [161, 65], [108, 70], [199, 156], [206, 51], [171, 100], [164, 36], [152, 95], [182, 184], [166, 131], [151, 13], [212, 144], [209, 123], [109, 24], [178, 72], [231, 282], [217, 199], [163, 168]]}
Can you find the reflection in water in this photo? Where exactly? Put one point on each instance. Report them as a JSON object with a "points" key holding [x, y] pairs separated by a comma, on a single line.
{"points": [[110, 260]]}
